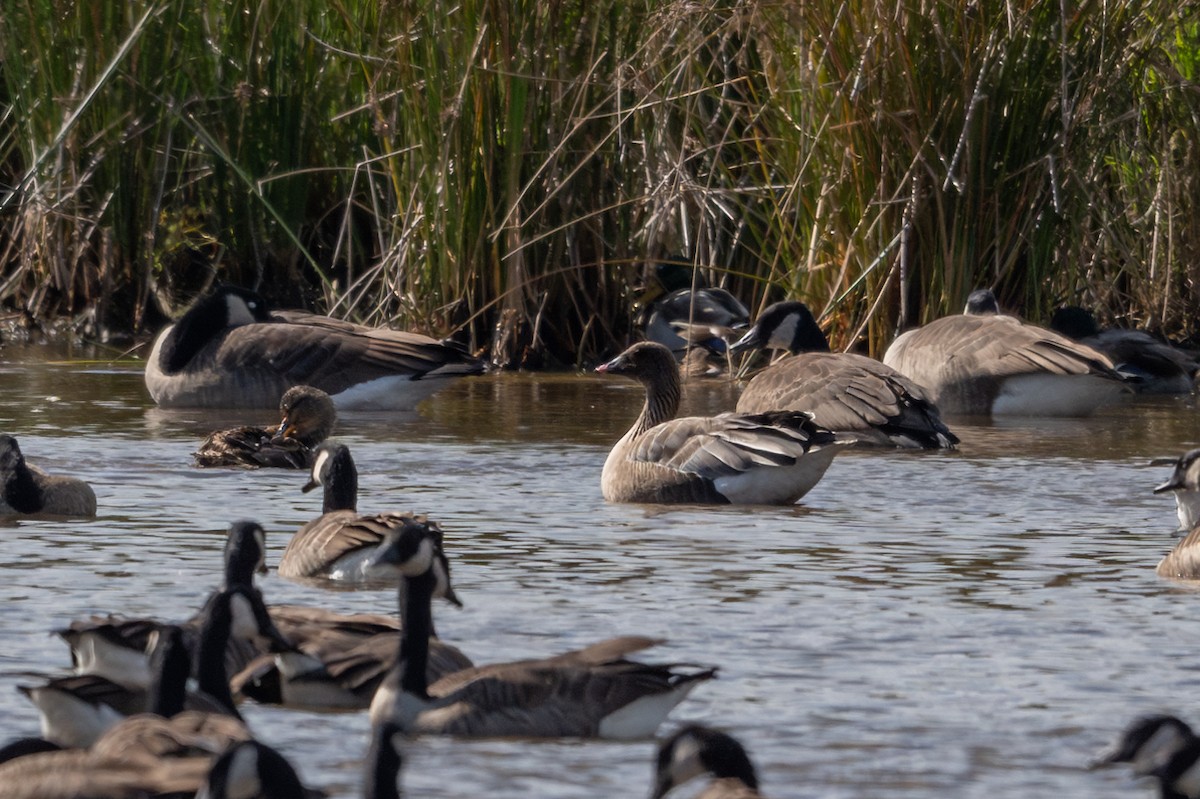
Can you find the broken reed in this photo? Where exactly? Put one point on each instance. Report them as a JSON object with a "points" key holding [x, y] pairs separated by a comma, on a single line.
{"points": [[507, 168]]}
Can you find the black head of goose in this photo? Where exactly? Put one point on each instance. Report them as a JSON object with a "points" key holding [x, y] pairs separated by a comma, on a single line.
{"points": [[1159, 746], [694, 751], [1151, 365], [308, 418], [589, 693], [230, 350], [852, 395], [27, 490], [994, 364], [1183, 562], [337, 544], [768, 458], [982, 302], [680, 300], [253, 770]]}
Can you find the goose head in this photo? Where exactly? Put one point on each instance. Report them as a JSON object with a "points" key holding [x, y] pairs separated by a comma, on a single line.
{"points": [[981, 302], [1185, 483], [334, 471], [10, 455], [787, 326], [245, 553], [1074, 322], [223, 308], [694, 751], [251, 769], [648, 362], [1148, 744], [414, 550], [308, 415]]}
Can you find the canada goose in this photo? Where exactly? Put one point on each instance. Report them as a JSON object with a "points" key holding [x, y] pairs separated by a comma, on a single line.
{"points": [[770, 458], [990, 363], [336, 544], [852, 395], [1152, 366], [687, 303], [592, 692], [27, 490], [1162, 747], [253, 770], [695, 750], [308, 417], [381, 767], [1183, 562], [230, 350]]}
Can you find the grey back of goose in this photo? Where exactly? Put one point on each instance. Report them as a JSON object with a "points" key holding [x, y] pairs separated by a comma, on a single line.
{"points": [[230, 350], [592, 692], [307, 418], [769, 458], [27, 490], [694, 751], [856, 397], [992, 364]]}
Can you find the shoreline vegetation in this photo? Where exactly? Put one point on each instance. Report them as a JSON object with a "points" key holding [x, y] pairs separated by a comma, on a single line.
{"points": [[506, 172]]}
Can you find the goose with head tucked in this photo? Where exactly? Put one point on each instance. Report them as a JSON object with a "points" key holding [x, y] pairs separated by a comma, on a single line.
{"points": [[695, 750], [854, 396], [768, 458], [1159, 746], [308, 417], [594, 692], [986, 363], [337, 544], [28, 491], [1152, 366], [229, 350]]}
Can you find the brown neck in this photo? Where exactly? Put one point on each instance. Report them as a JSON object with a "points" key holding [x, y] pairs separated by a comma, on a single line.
{"points": [[662, 400]]}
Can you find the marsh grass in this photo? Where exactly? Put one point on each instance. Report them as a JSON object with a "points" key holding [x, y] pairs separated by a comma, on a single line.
{"points": [[503, 171]]}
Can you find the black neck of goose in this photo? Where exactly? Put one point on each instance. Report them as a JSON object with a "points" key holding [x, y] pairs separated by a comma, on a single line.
{"points": [[382, 766], [279, 779], [203, 322], [21, 490], [663, 392], [211, 676], [733, 764], [341, 486], [416, 629], [169, 688]]}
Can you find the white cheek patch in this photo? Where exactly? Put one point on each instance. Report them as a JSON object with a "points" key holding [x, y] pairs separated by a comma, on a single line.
{"points": [[239, 311], [685, 760], [320, 467], [783, 335], [420, 562], [244, 624], [1157, 749]]}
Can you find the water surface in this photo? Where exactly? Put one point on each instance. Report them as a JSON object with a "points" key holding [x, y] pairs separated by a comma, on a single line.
{"points": [[970, 624]]}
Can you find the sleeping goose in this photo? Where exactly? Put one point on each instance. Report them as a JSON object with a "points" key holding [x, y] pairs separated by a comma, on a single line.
{"points": [[852, 395], [27, 490], [695, 750], [1159, 746], [308, 417], [1183, 562], [229, 350], [336, 544], [689, 304], [1152, 366], [589, 693], [988, 363], [770, 458]]}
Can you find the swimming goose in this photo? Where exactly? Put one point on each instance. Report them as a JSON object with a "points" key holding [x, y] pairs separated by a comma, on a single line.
{"points": [[995, 364], [852, 395], [1162, 747], [589, 693], [1152, 366], [230, 350], [695, 750], [771, 458], [336, 544], [253, 770], [27, 490], [1183, 562], [308, 417], [685, 306]]}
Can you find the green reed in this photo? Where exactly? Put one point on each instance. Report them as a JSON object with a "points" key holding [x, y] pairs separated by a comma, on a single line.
{"points": [[507, 168]]}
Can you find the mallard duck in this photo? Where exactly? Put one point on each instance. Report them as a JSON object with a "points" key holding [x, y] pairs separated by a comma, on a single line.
{"points": [[993, 364], [854, 396], [589, 693], [770, 458], [27, 490], [308, 417], [679, 302], [229, 350]]}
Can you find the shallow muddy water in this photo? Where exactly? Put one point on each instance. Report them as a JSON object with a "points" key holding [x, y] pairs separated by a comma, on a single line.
{"points": [[969, 624]]}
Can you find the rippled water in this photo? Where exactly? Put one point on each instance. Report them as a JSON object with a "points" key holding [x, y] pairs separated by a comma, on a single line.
{"points": [[974, 624]]}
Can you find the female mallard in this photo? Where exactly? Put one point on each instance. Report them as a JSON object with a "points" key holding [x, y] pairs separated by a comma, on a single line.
{"points": [[308, 417]]}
